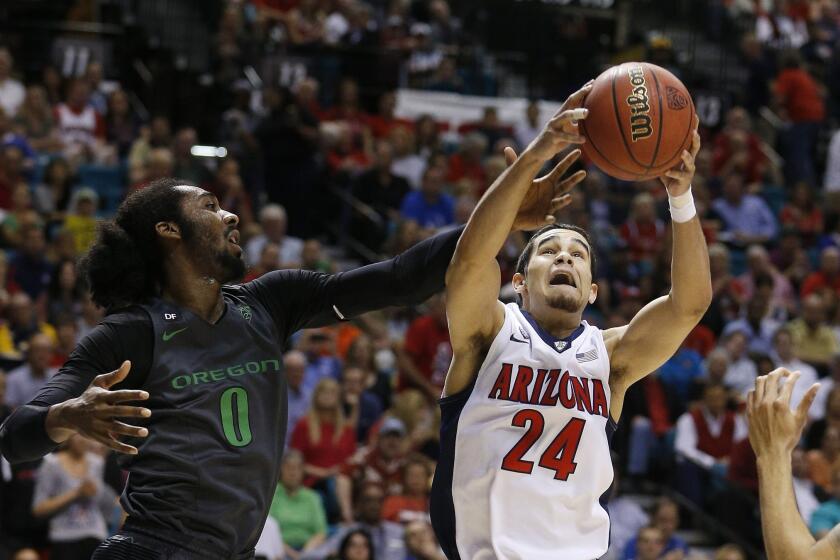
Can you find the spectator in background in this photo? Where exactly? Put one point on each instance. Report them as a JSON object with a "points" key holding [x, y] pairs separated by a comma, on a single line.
{"points": [[746, 218], [380, 464], [822, 462], [70, 491], [36, 122], [705, 438], [186, 165], [785, 356], [81, 220], [356, 545], [384, 122], [297, 509], [274, 223], [812, 335], [12, 92], [827, 516], [91, 315], [294, 366], [831, 419], [229, 189], [782, 298], [428, 135], [80, 126], [741, 373], [65, 292], [25, 381], [466, 171], [425, 355], [626, 517], [413, 503], [122, 125], [757, 326], [158, 134], [649, 544], [52, 81], [17, 215], [98, 88], [269, 257], [530, 127], [643, 232], [827, 278], [420, 542], [66, 333], [799, 100], [29, 268], [158, 164], [827, 385], [324, 436], [52, 195], [362, 407], [383, 191], [666, 519], [444, 76], [313, 258], [387, 537], [738, 149], [12, 176], [803, 213], [430, 207], [407, 164]]}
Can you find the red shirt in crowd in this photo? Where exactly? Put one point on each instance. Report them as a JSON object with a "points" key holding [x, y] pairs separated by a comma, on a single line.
{"points": [[326, 452], [405, 509], [427, 343], [808, 224], [802, 98], [460, 169], [817, 281], [643, 239], [719, 446], [372, 467], [701, 339]]}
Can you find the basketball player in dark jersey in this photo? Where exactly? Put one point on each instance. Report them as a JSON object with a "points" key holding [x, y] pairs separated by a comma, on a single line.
{"points": [[203, 447]]}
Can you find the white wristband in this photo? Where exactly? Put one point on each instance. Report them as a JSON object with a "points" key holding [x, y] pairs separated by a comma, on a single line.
{"points": [[682, 207]]}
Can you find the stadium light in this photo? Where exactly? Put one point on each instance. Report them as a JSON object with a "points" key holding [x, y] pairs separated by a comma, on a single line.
{"points": [[208, 151]]}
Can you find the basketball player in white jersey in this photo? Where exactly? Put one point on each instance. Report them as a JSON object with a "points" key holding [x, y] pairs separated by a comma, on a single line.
{"points": [[533, 392]]}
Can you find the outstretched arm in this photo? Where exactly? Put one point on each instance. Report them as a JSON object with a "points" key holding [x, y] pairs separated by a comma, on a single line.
{"points": [[774, 431], [657, 331], [472, 281]]}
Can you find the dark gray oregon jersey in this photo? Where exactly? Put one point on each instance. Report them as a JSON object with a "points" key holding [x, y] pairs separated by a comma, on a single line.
{"points": [[211, 461]]}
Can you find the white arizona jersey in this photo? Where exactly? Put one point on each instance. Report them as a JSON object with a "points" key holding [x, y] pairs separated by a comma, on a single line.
{"points": [[525, 461]]}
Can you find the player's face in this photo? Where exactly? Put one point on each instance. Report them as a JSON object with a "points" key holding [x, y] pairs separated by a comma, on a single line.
{"points": [[559, 274], [213, 236]]}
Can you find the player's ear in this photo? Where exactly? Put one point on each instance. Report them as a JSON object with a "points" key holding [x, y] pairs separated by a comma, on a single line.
{"points": [[518, 282], [168, 230], [593, 293]]}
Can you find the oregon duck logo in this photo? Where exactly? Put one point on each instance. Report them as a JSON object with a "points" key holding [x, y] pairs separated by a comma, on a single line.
{"points": [[245, 310], [639, 105]]}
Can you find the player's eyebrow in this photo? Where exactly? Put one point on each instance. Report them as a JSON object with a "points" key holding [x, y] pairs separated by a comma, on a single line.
{"points": [[573, 240], [206, 194]]}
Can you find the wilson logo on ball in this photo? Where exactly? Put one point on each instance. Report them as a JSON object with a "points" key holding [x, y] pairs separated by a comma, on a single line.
{"points": [[676, 100], [639, 105]]}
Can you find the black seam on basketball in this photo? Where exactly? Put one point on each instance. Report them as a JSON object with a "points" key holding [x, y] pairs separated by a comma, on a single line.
{"points": [[661, 120], [687, 132], [600, 153], [621, 128]]}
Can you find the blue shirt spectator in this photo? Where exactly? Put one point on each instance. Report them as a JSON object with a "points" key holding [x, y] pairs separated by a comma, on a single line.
{"points": [[746, 218], [430, 207], [681, 369], [826, 517]]}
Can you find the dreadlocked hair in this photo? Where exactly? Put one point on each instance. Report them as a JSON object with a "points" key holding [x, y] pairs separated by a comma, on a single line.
{"points": [[125, 264]]}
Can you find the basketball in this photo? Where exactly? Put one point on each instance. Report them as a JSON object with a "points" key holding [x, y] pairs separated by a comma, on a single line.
{"points": [[639, 122]]}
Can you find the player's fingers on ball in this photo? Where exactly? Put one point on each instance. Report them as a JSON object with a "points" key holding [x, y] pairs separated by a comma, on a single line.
{"points": [[678, 175], [571, 115], [117, 427], [125, 411], [695, 144], [124, 395]]}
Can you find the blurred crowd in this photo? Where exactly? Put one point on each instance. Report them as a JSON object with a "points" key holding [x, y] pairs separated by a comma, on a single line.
{"points": [[307, 165]]}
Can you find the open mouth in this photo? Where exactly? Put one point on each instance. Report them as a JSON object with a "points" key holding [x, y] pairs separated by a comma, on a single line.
{"points": [[562, 279]]}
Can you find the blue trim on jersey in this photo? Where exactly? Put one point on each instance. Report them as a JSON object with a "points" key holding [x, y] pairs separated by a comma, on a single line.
{"points": [[611, 427], [441, 503], [560, 345]]}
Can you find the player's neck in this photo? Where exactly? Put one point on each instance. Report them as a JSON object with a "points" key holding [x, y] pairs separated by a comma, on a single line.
{"points": [[197, 292], [558, 324]]}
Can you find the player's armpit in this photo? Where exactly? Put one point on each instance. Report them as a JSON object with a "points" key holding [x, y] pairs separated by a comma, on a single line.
{"points": [[827, 548], [473, 309]]}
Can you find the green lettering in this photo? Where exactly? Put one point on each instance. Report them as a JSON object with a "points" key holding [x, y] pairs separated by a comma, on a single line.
{"points": [[199, 377], [275, 362], [255, 365], [181, 381], [235, 371], [235, 397], [217, 374]]}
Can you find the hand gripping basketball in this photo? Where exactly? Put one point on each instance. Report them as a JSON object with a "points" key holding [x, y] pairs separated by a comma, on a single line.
{"points": [[562, 130], [94, 413]]}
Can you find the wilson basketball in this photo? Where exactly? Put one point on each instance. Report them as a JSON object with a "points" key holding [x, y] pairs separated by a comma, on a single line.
{"points": [[639, 121]]}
